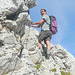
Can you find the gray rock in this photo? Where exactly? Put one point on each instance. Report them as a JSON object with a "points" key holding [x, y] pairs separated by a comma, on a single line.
{"points": [[15, 32], [46, 72], [15, 14], [37, 57], [14, 64], [8, 38]]}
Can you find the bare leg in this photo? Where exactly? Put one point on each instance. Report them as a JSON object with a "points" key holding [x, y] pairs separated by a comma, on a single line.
{"points": [[48, 44], [39, 44]]}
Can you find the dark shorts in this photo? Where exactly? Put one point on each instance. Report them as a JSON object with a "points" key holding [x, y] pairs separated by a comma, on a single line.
{"points": [[45, 35]]}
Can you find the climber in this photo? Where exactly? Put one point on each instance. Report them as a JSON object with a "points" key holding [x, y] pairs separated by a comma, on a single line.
{"points": [[45, 33]]}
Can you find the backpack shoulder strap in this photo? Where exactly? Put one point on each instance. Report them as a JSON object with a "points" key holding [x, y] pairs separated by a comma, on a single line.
{"points": [[51, 20]]}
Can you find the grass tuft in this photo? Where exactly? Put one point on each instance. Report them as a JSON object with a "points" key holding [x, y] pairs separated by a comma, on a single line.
{"points": [[37, 66], [53, 70], [63, 73], [54, 64]]}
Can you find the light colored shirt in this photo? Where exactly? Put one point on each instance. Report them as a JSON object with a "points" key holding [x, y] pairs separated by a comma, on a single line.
{"points": [[45, 24]]}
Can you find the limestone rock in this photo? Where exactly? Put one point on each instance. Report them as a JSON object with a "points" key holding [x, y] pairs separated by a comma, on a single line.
{"points": [[15, 14], [19, 52], [8, 38], [46, 72], [30, 38]]}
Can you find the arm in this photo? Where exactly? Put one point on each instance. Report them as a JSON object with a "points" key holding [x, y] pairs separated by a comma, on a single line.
{"points": [[39, 22], [36, 26]]}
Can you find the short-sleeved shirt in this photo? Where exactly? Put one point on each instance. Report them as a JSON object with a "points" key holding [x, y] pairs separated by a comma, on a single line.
{"points": [[45, 24]]}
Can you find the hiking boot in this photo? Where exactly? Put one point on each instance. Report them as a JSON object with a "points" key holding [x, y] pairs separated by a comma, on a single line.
{"points": [[42, 51], [48, 54]]}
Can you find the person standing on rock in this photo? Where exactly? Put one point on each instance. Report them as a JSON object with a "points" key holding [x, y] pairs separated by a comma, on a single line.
{"points": [[45, 33]]}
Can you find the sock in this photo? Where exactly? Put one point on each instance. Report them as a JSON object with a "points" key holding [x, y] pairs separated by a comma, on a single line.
{"points": [[48, 51], [41, 49]]}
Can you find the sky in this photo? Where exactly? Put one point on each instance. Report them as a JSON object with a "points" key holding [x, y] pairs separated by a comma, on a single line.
{"points": [[64, 11]]}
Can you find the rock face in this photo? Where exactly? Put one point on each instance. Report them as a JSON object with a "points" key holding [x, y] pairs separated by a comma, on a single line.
{"points": [[19, 52], [14, 14]]}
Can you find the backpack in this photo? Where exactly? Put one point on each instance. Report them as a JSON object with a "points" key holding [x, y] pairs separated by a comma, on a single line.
{"points": [[53, 24]]}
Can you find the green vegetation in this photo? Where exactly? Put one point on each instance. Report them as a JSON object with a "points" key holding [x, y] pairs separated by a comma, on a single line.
{"points": [[63, 73], [43, 59], [4, 74], [4, 54], [60, 68], [37, 66], [53, 70], [54, 64]]}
